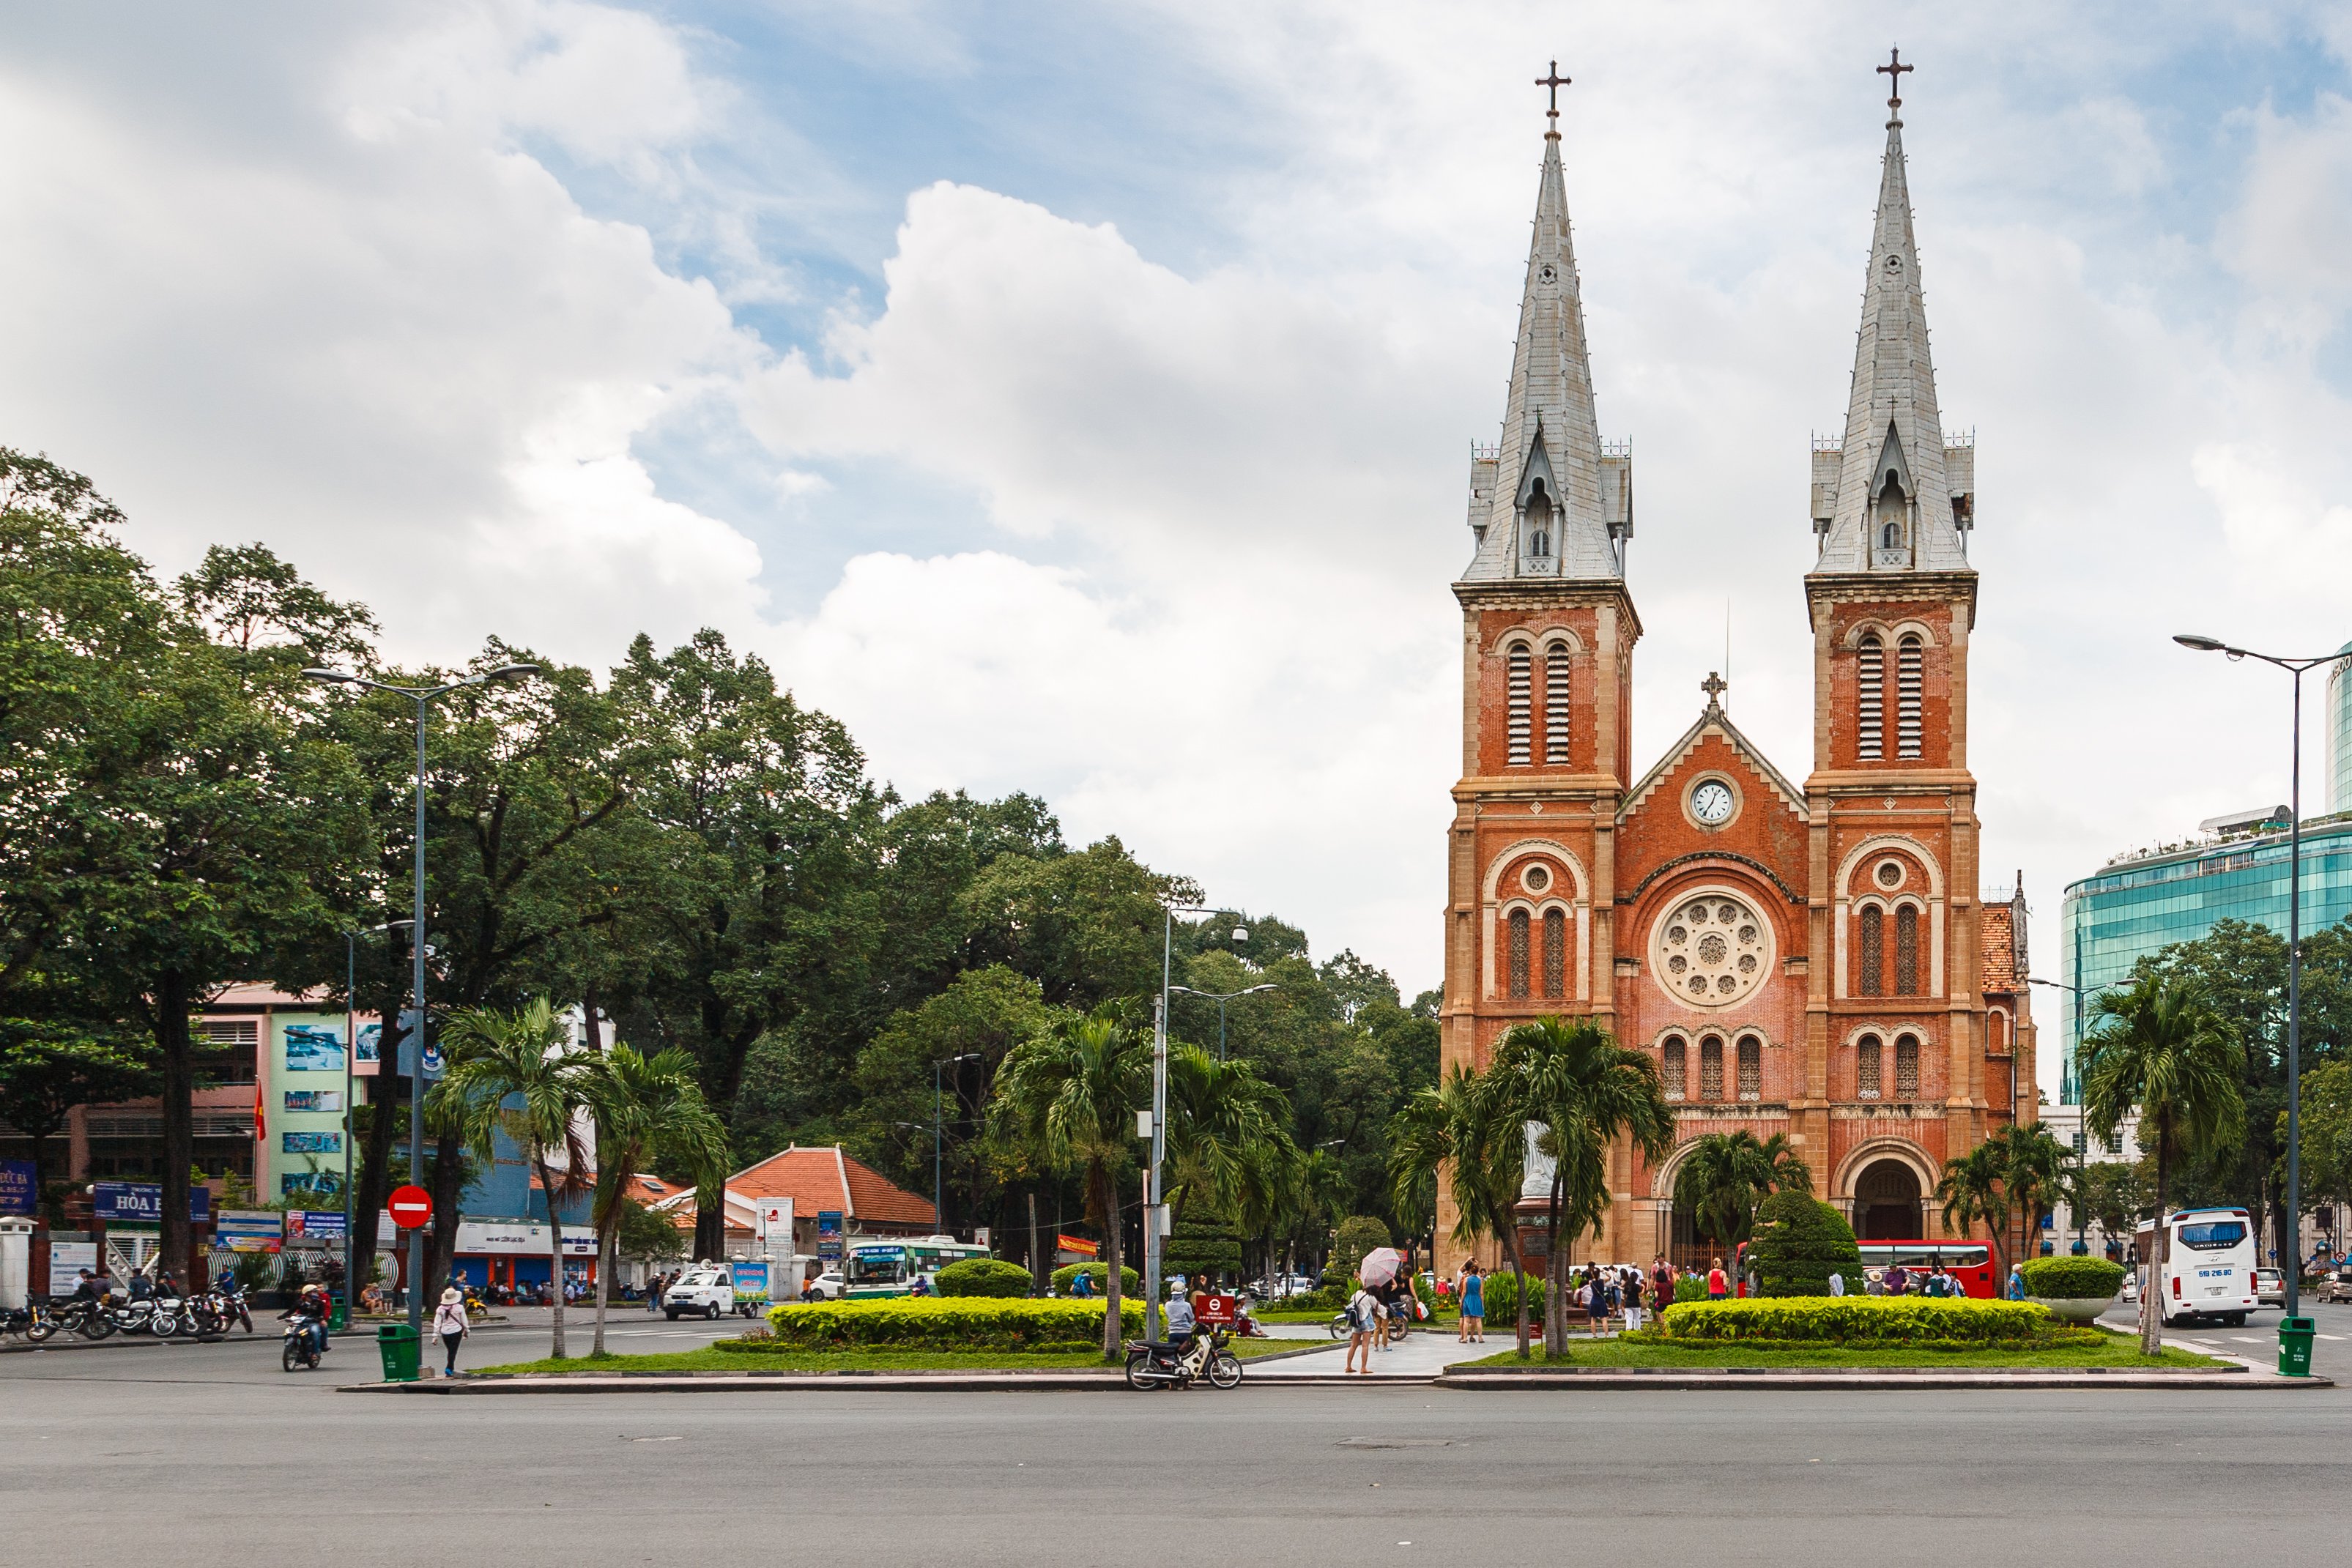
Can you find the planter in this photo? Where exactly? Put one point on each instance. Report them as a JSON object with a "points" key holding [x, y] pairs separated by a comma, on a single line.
{"points": [[2075, 1309]]}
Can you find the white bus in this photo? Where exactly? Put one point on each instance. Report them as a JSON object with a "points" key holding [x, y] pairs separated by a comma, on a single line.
{"points": [[2200, 1264], [890, 1267]]}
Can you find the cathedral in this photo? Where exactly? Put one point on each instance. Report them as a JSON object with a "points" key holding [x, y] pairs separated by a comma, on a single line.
{"points": [[1815, 959]]}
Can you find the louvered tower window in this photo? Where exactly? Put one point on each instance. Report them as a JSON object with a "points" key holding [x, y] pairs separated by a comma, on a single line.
{"points": [[1520, 696], [1906, 951], [1677, 1069], [1751, 1068], [1870, 698], [1906, 695], [1867, 1082], [1556, 705], [1555, 953], [1870, 977], [1518, 977], [1906, 1069], [1710, 1068]]}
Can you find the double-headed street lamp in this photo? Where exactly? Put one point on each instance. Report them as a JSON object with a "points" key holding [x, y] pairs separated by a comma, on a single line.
{"points": [[1155, 1209], [1221, 1001], [938, 1167], [424, 698], [2293, 1224]]}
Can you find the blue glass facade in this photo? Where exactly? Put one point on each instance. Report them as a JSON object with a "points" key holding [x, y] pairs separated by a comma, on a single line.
{"points": [[2136, 907], [2339, 734]]}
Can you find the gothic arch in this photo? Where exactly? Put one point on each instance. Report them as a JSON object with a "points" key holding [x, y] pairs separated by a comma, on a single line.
{"points": [[1496, 909], [1879, 843], [1870, 1152], [1520, 851]]}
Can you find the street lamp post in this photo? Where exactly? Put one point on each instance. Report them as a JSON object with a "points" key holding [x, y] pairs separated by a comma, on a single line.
{"points": [[1221, 1001], [938, 1167], [424, 698], [1155, 1212], [2292, 1223], [2080, 1153]]}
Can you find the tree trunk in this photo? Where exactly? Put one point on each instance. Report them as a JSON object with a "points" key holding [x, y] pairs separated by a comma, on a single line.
{"points": [[1507, 1233], [604, 1272], [173, 1002], [2151, 1295], [555, 1250], [710, 1224], [1555, 1309], [448, 1195], [1107, 1204]]}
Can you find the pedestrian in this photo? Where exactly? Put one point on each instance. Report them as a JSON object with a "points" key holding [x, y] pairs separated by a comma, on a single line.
{"points": [[1662, 1285], [1718, 1287], [1632, 1301], [449, 1323], [1472, 1293], [1596, 1300], [1363, 1317], [1837, 1283], [1897, 1280], [1082, 1285], [2016, 1283]]}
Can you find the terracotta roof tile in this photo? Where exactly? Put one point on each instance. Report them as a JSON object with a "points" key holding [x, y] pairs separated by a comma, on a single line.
{"points": [[830, 1179]]}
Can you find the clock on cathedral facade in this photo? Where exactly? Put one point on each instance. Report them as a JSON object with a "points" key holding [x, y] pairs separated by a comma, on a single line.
{"points": [[1810, 958]]}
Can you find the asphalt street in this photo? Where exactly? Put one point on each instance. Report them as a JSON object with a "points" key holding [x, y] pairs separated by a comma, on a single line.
{"points": [[211, 1456]]}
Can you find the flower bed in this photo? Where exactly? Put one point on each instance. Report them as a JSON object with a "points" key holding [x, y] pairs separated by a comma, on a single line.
{"points": [[1858, 1320], [954, 1323]]}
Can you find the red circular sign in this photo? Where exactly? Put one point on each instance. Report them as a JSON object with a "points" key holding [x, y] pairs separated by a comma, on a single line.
{"points": [[411, 1206]]}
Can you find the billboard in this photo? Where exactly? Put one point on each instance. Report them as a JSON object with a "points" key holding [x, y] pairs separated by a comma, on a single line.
{"points": [[327, 1101], [367, 1053], [249, 1231], [318, 1227], [141, 1203], [313, 1048], [750, 1280], [310, 1143], [16, 1193]]}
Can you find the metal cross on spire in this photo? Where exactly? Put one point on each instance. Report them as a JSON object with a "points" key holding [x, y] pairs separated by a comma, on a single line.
{"points": [[1715, 685], [1893, 71], [1555, 82]]}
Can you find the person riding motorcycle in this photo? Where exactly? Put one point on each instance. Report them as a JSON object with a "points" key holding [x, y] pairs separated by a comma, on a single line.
{"points": [[310, 1314]]}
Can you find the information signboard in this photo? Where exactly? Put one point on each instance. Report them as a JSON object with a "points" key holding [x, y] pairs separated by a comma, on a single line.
{"points": [[317, 1227], [250, 1230], [15, 1187], [141, 1203]]}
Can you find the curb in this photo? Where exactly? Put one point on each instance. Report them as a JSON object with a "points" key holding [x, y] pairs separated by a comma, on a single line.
{"points": [[2234, 1378]]}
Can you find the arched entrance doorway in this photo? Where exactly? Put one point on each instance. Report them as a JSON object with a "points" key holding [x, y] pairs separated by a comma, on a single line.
{"points": [[1886, 1203]]}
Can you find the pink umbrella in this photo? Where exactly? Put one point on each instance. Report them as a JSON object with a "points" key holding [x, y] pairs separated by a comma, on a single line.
{"points": [[1381, 1265]]}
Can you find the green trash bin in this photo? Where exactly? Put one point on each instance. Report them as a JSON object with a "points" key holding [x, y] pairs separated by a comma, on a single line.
{"points": [[2294, 1347], [339, 1316], [397, 1342]]}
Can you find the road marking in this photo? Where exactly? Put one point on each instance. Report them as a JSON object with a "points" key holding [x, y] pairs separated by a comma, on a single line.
{"points": [[2242, 1339], [2331, 1336]]}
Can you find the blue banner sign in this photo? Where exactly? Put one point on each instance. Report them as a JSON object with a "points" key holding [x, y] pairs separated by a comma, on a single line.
{"points": [[141, 1203], [316, 1225], [16, 1186], [828, 1222]]}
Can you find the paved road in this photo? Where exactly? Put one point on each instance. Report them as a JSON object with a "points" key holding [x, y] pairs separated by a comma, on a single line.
{"points": [[232, 1461]]}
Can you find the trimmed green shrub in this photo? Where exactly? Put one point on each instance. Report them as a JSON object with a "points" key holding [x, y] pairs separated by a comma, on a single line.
{"points": [[1502, 1293], [2059, 1337], [1099, 1276], [952, 1323], [1357, 1234], [1328, 1296], [983, 1277], [1690, 1287], [2072, 1278], [1202, 1247], [1859, 1320], [1799, 1241]]}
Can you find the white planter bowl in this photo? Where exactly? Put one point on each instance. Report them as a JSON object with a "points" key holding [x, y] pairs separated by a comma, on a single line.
{"points": [[2074, 1310]]}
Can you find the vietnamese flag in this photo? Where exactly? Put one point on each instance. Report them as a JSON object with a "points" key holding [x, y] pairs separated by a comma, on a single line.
{"points": [[260, 1121]]}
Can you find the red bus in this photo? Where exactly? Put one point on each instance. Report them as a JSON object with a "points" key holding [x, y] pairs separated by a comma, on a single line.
{"points": [[1969, 1262]]}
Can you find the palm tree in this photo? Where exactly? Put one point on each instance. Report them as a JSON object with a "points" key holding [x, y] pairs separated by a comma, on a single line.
{"points": [[1226, 1125], [646, 1109], [1464, 1131], [1789, 1171], [525, 1056], [1973, 1188], [1071, 1093], [2156, 1046], [1588, 1092], [1726, 1175], [2036, 1171]]}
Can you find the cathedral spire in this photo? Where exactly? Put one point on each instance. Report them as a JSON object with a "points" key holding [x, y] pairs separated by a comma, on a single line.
{"points": [[1547, 502], [1892, 496]]}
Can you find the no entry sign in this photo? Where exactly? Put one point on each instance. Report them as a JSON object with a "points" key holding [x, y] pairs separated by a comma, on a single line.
{"points": [[411, 1206]]}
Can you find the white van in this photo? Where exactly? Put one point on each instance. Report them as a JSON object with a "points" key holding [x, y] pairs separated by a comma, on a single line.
{"points": [[705, 1290], [2200, 1264]]}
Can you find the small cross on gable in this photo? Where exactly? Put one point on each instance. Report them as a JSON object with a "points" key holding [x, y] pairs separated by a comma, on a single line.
{"points": [[1715, 685]]}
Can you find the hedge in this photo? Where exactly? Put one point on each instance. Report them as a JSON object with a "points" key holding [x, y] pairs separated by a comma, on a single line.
{"points": [[983, 1277], [2056, 1338], [2072, 1278], [1690, 1288], [952, 1323], [1099, 1276], [1203, 1249], [1800, 1242], [1859, 1320]]}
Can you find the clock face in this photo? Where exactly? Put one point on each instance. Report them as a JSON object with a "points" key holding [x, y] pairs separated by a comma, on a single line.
{"points": [[1711, 803]]}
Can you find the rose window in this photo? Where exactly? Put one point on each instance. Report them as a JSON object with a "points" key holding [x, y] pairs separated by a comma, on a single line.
{"points": [[1711, 950]]}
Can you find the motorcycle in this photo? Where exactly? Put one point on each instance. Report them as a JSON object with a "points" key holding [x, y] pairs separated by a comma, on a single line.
{"points": [[29, 1321], [1158, 1364], [85, 1317], [302, 1350]]}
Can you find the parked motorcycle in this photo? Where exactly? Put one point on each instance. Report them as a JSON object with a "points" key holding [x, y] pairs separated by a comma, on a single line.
{"points": [[29, 1321], [85, 1318], [1159, 1365]]}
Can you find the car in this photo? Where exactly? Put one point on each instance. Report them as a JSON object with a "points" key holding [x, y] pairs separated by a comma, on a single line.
{"points": [[2269, 1287], [700, 1292], [829, 1285], [2335, 1285]]}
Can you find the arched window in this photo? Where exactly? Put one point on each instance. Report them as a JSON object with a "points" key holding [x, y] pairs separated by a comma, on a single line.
{"points": [[1870, 977], [1538, 521], [1868, 1084], [1908, 656], [1554, 954], [1556, 705], [1677, 1068], [1710, 1068], [1892, 512], [1870, 698], [1906, 951], [1997, 1033], [1907, 1068], [1518, 980], [1751, 1068], [1519, 695]]}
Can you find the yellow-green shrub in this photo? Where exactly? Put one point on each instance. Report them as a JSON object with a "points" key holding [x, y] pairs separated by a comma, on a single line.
{"points": [[952, 1323], [1858, 1320]]}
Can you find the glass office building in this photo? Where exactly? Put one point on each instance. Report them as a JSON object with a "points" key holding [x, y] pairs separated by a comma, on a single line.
{"points": [[2339, 734], [2138, 905]]}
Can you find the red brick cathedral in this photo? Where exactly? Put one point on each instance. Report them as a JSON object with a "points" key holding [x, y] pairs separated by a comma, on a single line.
{"points": [[1809, 959]]}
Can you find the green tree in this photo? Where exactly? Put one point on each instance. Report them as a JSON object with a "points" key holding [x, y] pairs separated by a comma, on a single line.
{"points": [[49, 1067], [648, 1235], [1799, 1241], [1725, 1175], [1227, 1129], [1086, 925], [2036, 1171], [519, 1074], [2154, 1046], [1588, 1092], [1464, 1132], [1974, 1190], [1071, 1093], [648, 1109]]}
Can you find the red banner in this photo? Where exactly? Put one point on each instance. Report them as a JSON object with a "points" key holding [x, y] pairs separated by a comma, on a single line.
{"points": [[1074, 1244]]}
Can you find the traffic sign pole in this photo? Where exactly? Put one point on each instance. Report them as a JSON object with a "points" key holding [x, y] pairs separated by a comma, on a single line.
{"points": [[410, 1206]]}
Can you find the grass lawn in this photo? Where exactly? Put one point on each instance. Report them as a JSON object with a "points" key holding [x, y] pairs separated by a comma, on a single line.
{"points": [[712, 1359], [2121, 1350]]}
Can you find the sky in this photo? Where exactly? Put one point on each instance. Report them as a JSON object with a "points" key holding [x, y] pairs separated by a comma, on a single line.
{"points": [[1077, 398]]}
